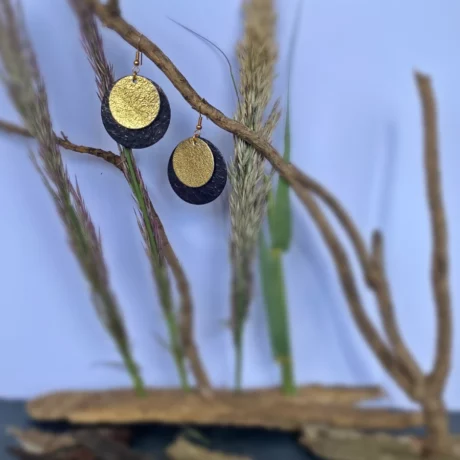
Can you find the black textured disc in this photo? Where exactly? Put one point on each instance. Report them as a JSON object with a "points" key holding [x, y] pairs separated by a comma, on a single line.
{"points": [[207, 192], [138, 138]]}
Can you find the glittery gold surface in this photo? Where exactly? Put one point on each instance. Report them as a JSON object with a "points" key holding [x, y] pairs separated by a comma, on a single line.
{"points": [[193, 162], [134, 105]]}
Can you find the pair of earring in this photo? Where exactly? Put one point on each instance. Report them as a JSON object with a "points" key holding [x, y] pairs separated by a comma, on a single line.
{"points": [[136, 114]]}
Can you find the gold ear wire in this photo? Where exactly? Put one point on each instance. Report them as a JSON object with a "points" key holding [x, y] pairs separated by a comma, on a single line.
{"points": [[137, 59], [199, 127]]}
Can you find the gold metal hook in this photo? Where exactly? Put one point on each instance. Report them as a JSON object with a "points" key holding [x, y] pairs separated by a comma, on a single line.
{"points": [[137, 59], [199, 127]]}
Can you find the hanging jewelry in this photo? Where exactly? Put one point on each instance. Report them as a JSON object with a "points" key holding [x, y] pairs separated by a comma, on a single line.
{"points": [[197, 171], [135, 111]]}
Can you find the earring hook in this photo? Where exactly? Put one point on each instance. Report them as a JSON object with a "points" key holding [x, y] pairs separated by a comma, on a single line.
{"points": [[199, 127], [137, 59]]}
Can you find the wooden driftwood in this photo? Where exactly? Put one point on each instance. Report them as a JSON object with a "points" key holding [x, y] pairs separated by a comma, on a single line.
{"points": [[265, 408], [346, 444], [35, 441], [101, 444], [182, 449]]}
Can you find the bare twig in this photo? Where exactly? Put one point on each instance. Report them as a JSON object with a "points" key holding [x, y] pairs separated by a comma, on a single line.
{"points": [[438, 438], [106, 155], [379, 283], [439, 267]]}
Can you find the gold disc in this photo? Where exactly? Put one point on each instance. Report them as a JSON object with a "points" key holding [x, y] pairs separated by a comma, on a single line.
{"points": [[134, 104], [193, 162]]}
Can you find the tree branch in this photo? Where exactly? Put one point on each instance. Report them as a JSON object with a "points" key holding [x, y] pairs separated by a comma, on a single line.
{"points": [[289, 172], [378, 282], [106, 155], [439, 267], [113, 6]]}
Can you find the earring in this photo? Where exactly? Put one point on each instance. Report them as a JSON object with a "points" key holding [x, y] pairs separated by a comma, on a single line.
{"points": [[135, 111], [197, 171]]}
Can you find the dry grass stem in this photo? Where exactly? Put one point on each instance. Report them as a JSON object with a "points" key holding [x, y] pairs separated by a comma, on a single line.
{"points": [[27, 91], [257, 54], [155, 239]]}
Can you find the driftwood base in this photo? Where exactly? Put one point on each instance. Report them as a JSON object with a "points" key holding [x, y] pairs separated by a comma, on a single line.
{"points": [[343, 444], [333, 406]]}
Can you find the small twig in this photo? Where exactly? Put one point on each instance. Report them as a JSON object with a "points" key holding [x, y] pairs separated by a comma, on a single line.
{"points": [[65, 143], [439, 267], [379, 283]]}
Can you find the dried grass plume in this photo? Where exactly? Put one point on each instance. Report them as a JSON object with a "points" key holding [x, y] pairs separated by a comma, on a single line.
{"points": [[257, 55]]}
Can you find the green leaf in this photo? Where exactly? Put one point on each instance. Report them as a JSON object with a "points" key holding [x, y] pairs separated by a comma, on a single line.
{"points": [[281, 225], [271, 209], [275, 299]]}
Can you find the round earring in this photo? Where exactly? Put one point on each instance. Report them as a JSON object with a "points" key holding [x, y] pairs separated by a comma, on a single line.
{"points": [[197, 171], [135, 111]]}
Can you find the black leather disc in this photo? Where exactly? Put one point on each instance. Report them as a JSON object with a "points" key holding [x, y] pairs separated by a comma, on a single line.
{"points": [[138, 138], [207, 192]]}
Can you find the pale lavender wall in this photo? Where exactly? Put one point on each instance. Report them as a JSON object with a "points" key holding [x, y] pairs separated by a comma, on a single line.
{"points": [[356, 128]]}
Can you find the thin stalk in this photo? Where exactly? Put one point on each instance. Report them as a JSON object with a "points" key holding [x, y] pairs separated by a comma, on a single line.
{"points": [[240, 302], [160, 272], [134, 373]]}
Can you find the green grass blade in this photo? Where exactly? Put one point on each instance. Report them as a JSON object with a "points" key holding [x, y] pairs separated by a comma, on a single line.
{"points": [[209, 42], [277, 311], [281, 226]]}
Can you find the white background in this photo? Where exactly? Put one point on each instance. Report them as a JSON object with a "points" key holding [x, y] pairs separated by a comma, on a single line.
{"points": [[356, 128]]}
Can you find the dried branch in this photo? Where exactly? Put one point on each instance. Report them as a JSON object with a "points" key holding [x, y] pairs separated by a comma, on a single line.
{"points": [[64, 142], [379, 283], [289, 172], [440, 266], [113, 7]]}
